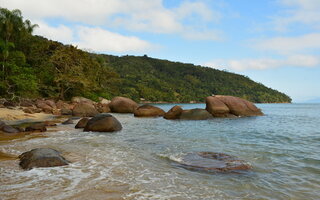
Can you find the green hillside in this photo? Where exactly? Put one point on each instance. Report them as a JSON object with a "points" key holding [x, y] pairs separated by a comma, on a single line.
{"points": [[33, 66]]}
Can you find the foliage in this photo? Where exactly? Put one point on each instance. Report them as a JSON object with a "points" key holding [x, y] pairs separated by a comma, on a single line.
{"points": [[33, 66]]}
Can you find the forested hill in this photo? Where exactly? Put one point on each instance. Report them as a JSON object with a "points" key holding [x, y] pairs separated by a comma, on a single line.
{"points": [[33, 66]]}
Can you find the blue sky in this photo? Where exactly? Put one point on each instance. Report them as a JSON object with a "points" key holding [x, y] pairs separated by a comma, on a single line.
{"points": [[275, 42]]}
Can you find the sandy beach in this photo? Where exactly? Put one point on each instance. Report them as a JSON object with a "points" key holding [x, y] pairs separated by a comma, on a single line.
{"points": [[14, 116]]}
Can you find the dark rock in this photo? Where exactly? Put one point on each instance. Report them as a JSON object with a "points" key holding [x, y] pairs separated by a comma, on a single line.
{"points": [[122, 105], [10, 104], [65, 111], [9, 129], [37, 127], [103, 123], [50, 123], [148, 111], [82, 123], [2, 124], [84, 110], [41, 157], [213, 162], [173, 113], [195, 114], [68, 121]]}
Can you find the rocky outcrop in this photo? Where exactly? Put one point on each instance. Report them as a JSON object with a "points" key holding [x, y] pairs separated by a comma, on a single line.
{"points": [[148, 111], [68, 121], [81, 100], [213, 162], [173, 113], [195, 114], [37, 127], [122, 105], [82, 123], [41, 157], [84, 110], [102, 108], [103, 123], [222, 106]]}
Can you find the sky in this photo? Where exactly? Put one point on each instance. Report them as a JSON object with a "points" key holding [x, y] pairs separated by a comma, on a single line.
{"points": [[274, 42]]}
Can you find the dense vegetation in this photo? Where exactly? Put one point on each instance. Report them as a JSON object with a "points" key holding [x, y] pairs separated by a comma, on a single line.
{"points": [[33, 66]]}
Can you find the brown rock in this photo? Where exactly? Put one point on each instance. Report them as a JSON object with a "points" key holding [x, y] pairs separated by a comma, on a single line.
{"points": [[239, 107], [122, 105], [173, 113], [103, 123], [84, 110], [51, 103], [65, 111], [41, 157], [81, 100], [82, 123], [216, 107], [195, 114], [28, 110], [37, 127], [44, 106], [103, 108], [148, 111], [26, 103], [68, 121], [62, 105], [9, 129]]}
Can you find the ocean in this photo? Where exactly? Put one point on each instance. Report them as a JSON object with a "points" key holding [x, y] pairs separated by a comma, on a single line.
{"points": [[283, 148]]}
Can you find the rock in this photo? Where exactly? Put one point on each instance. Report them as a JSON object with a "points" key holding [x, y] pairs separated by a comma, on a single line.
{"points": [[84, 110], [44, 106], [104, 101], [195, 114], [122, 105], [213, 162], [103, 108], [41, 157], [50, 123], [10, 104], [37, 127], [81, 100], [26, 103], [216, 107], [173, 113], [82, 123], [9, 129], [62, 105], [239, 107], [51, 103], [56, 111], [103, 123], [65, 111], [148, 111], [28, 110], [68, 121], [2, 124]]}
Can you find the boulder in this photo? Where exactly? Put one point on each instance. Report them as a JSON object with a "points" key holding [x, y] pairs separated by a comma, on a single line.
{"points": [[41, 157], [10, 104], [122, 105], [195, 114], [84, 110], [2, 124], [44, 106], [104, 101], [173, 113], [9, 129], [216, 107], [239, 107], [212, 162], [68, 121], [103, 123], [50, 123], [29, 110], [103, 108], [26, 103], [51, 103], [66, 111], [62, 105], [37, 127], [148, 111], [82, 123], [81, 100]]}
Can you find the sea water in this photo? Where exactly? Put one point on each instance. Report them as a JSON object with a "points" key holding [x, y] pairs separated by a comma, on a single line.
{"points": [[283, 147]]}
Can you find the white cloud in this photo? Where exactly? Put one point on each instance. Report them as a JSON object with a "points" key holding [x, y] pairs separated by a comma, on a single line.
{"points": [[102, 40], [60, 33], [286, 45], [133, 15], [265, 63]]}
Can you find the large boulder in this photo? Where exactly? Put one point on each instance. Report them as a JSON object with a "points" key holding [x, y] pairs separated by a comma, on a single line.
{"points": [[122, 105], [84, 110], [216, 107], [148, 111], [41, 157], [195, 114], [238, 106], [102, 108], [82, 123], [43, 104], [103, 123], [212, 162], [173, 113], [104, 101], [37, 127]]}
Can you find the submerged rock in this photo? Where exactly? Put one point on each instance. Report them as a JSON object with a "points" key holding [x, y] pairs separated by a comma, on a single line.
{"points": [[148, 111], [173, 113], [9, 129], [122, 105], [103, 123], [37, 127], [195, 114], [41, 157], [82, 123], [213, 162]]}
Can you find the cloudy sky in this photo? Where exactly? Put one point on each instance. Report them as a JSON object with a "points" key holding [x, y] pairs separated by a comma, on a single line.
{"points": [[275, 42]]}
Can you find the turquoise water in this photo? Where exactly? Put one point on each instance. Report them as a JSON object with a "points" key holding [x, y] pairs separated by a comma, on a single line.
{"points": [[283, 148]]}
